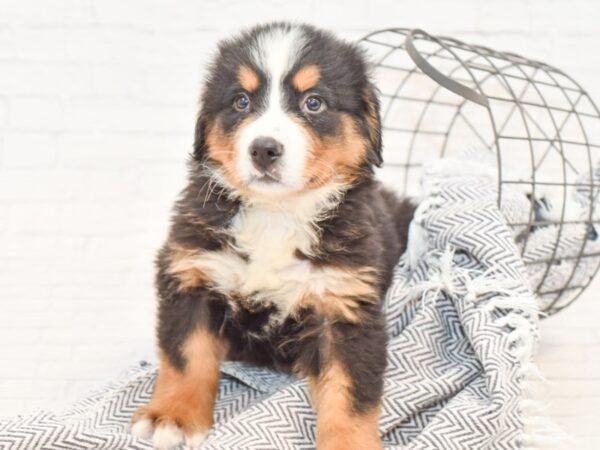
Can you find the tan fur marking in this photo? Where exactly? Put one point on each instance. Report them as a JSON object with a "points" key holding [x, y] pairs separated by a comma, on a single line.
{"points": [[306, 78], [339, 427], [187, 398], [221, 148], [182, 265], [339, 155], [347, 289], [248, 78]]}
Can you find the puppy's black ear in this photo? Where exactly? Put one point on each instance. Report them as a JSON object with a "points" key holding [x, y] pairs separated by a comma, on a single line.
{"points": [[373, 123], [200, 145]]}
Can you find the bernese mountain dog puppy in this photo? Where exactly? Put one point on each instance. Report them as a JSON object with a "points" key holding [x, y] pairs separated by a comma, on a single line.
{"points": [[282, 245]]}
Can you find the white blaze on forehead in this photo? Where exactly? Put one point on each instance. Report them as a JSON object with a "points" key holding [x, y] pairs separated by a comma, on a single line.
{"points": [[275, 53]]}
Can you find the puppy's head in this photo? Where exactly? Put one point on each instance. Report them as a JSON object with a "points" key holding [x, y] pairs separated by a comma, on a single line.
{"points": [[288, 108]]}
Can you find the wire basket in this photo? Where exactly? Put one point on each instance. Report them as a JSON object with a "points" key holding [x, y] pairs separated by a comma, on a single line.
{"points": [[533, 122]]}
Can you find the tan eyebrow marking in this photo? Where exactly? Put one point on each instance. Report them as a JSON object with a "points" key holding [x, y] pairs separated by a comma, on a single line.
{"points": [[306, 78], [248, 78]]}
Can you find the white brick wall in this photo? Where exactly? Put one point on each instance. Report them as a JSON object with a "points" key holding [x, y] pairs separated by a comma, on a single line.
{"points": [[97, 105]]}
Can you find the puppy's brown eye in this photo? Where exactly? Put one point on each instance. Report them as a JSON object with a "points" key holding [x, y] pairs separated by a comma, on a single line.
{"points": [[313, 104], [241, 102]]}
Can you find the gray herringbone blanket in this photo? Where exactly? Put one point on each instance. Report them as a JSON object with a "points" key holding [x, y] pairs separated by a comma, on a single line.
{"points": [[462, 325]]}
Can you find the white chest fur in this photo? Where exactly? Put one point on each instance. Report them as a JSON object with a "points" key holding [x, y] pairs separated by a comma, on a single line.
{"points": [[262, 265]]}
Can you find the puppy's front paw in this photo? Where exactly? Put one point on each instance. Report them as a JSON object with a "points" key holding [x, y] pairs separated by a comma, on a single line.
{"points": [[165, 432]]}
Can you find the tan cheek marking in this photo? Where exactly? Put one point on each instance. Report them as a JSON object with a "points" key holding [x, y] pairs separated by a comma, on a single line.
{"points": [[338, 425], [248, 78], [347, 290], [221, 148], [187, 398], [339, 155], [306, 78]]}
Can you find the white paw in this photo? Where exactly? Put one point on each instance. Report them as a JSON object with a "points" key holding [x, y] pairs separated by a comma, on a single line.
{"points": [[143, 428], [167, 435], [194, 441]]}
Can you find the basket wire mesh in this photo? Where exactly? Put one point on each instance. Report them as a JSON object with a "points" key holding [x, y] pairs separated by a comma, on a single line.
{"points": [[540, 128]]}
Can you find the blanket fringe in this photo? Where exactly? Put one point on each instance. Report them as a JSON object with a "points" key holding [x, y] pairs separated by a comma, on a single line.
{"points": [[539, 430], [517, 311]]}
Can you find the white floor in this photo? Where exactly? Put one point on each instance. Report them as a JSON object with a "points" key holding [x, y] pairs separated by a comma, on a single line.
{"points": [[569, 358]]}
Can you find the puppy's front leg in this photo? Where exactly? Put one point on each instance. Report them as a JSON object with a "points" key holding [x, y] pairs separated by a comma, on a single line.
{"points": [[181, 408], [347, 390]]}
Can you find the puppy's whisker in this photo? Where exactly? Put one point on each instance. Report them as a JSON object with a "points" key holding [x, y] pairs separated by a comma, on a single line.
{"points": [[207, 170], [320, 177], [325, 164], [211, 187], [221, 152]]}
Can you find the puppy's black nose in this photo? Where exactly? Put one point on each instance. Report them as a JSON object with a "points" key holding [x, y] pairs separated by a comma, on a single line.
{"points": [[264, 151]]}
